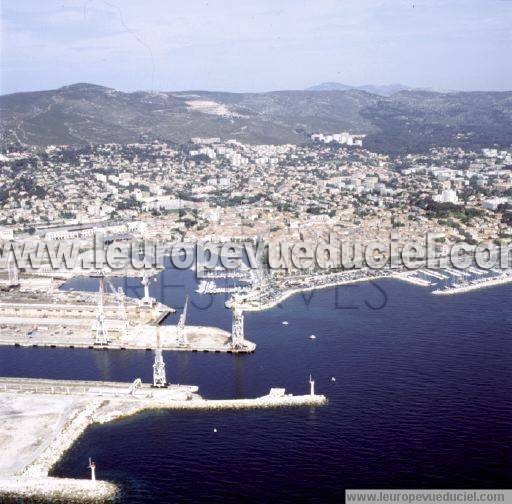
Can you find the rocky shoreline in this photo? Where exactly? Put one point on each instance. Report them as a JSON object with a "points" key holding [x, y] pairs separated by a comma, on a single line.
{"points": [[56, 490], [34, 482]]}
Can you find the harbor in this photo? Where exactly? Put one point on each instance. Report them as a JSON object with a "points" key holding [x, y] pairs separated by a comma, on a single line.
{"points": [[43, 418], [57, 412], [111, 320], [442, 281], [60, 411], [106, 320], [255, 252], [470, 285]]}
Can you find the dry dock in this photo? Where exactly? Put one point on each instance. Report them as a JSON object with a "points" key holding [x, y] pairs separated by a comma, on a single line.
{"points": [[75, 308], [199, 338], [66, 319], [41, 419]]}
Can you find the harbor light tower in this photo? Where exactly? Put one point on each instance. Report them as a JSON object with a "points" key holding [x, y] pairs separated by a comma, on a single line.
{"points": [[237, 329], [159, 377], [92, 467], [101, 337], [311, 386], [182, 338]]}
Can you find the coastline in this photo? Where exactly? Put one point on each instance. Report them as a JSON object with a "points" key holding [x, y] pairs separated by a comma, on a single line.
{"points": [[470, 288], [283, 295], [33, 481], [61, 490]]}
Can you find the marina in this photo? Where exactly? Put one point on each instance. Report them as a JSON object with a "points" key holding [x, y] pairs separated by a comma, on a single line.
{"points": [[469, 285], [62, 410], [444, 281], [81, 398]]}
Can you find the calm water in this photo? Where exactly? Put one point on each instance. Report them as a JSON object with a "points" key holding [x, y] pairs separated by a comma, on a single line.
{"points": [[422, 398]]}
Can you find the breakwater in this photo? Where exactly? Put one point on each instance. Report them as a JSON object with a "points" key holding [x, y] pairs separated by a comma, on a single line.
{"points": [[74, 406]]}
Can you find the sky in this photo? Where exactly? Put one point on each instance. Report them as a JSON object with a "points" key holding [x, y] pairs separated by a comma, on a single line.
{"points": [[260, 45]]}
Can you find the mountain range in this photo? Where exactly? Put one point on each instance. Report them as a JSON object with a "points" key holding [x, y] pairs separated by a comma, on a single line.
{"points": [[406, 121], [385, 90]]}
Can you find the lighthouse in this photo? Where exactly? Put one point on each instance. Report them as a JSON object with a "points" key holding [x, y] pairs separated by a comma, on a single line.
{"points": [[92, 467], [311, 386]]}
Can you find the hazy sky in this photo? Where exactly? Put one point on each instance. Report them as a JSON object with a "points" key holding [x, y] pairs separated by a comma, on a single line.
{"points": [[255, 45]]}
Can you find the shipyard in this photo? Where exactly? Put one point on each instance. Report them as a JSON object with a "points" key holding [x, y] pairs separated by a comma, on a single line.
{"points": [[104, 320], [255, 251], [50, 415]]}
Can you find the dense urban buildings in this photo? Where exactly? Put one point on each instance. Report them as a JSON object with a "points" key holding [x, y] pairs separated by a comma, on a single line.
{"points": [[224, 190]]}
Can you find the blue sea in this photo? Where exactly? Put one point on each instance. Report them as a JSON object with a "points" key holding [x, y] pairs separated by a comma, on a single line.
{"points": [[422, 398]]}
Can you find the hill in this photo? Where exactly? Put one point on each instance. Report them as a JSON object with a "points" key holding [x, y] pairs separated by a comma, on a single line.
{"points": [[386, 90], [406, 121]]}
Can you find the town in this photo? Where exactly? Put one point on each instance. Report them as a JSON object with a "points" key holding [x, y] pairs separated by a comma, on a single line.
{"points": [[225, 190]]}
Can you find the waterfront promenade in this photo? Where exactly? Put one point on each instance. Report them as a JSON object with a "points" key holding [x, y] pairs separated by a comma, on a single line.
{"points": [[271, 295]]}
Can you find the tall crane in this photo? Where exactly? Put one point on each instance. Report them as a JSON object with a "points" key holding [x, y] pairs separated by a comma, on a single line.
{"points": [[121, 308], [159, 378], [12, 270], [182, 338], [237, 328], [101, 336], [146, 300]]}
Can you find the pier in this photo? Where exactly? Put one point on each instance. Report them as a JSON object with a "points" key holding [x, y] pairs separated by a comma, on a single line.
{"points": [[75, 308], [103, 321], [480, 283], [198, 338], [43, 418], [271, 293], [413, 279]]}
